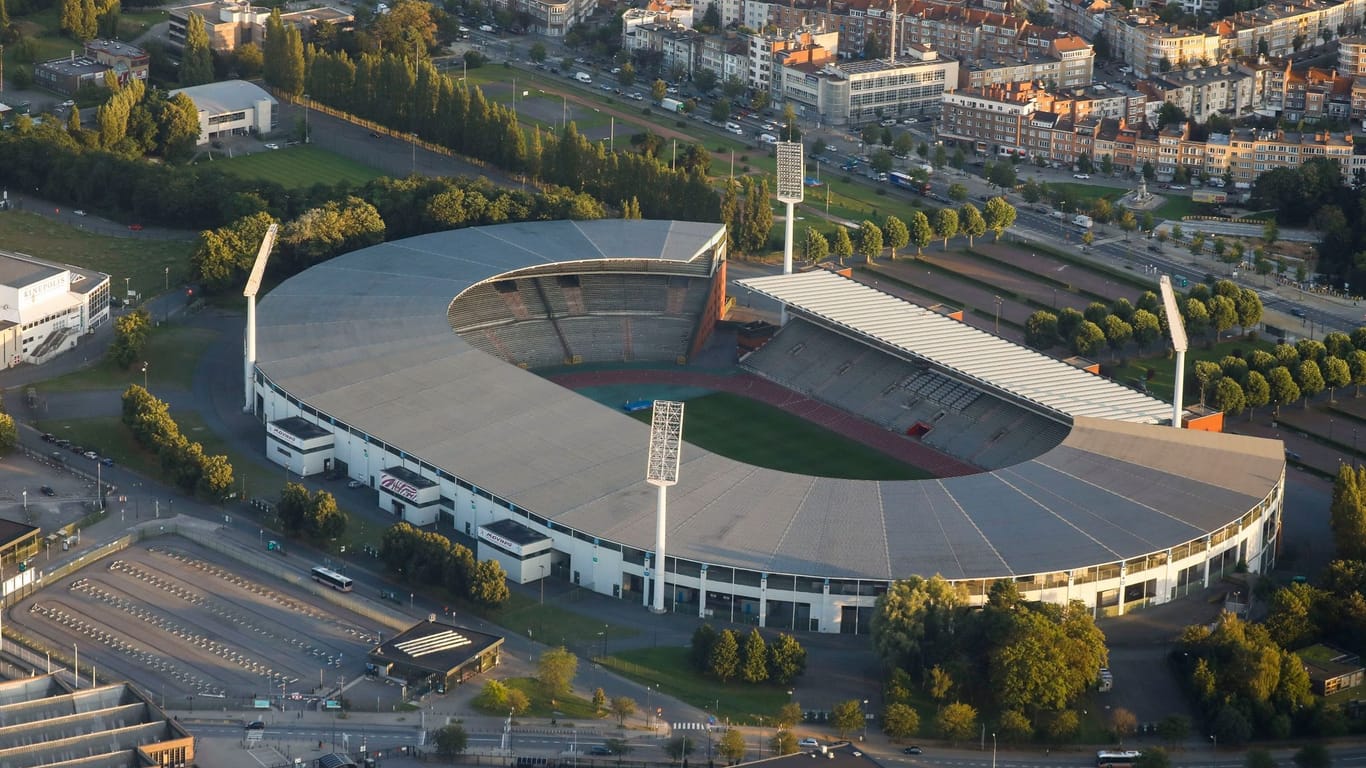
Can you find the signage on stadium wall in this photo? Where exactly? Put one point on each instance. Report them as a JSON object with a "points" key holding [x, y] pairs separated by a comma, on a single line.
{"points": [[284, 437], [500, 541], [397, 487]]}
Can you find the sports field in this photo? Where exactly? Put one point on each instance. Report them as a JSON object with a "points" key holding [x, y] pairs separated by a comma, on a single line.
{"points": [[759, 434], [297, 167]]}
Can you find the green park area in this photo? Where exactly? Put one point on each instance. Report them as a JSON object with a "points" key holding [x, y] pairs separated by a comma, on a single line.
{"points": [[1163, 365], [760, 434], [1173, 208], [141, 259], [299, 167], [669, 669], [551, 624]]}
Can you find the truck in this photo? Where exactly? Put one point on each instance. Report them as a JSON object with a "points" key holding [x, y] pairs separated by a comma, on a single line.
{"points": [[671, 105], [1082, 220], [583, 77], [1208, 196]]}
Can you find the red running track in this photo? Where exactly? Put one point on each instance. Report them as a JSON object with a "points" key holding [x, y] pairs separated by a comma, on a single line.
{"points": [[814, 411]]}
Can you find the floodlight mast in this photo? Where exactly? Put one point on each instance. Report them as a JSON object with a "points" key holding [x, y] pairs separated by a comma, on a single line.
{"points": [[661, 471], [1179, 343], [791, 190], [254, 285]]}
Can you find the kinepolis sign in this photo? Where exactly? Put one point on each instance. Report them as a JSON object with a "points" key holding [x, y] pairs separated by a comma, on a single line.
{"points": [[396, 486]]}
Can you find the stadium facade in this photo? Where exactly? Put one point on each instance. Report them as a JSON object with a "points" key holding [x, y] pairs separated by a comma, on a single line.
{"points": [[404, 365]]}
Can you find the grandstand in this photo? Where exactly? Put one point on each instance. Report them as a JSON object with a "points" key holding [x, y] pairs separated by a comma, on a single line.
{"points": [[904, 396], [400, 353]]}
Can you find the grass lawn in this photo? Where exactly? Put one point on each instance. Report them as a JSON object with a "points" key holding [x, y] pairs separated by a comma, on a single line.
{"points": [[570, 706], [143, 260], [759, 434], [1176, 208], [552, 624], [1089, 192], [298, 167], [172, 353], [738, 703], [1162, 384]]}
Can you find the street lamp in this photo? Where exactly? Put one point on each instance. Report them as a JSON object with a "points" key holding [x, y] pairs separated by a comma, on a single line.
{"points": [[993, 749], [543, 585], [168, 278], [1214, 738], [864, 737], [25, 501], [144, 374], [306, 118], [998, 315], [413, 136]]}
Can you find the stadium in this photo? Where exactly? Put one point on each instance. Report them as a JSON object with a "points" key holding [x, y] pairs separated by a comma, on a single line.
{"points": [[411, 367]]}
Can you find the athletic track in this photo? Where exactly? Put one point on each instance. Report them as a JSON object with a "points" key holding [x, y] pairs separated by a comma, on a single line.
{"points": [[816, 412]]}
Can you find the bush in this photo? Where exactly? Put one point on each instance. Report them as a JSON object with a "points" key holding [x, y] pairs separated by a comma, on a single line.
{"points": [[182, 461]]}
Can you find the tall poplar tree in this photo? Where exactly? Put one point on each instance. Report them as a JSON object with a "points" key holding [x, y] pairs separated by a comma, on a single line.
{"points": [[196, 63]]}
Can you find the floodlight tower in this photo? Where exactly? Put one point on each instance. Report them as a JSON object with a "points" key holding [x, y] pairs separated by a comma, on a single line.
{"points": [[254, 285], [791, 188], [661, 471], [1179, 343]]}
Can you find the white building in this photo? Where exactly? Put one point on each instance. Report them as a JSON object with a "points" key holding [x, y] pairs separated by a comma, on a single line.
{"points": [[46, 307], [855, 93], [232, 107]]}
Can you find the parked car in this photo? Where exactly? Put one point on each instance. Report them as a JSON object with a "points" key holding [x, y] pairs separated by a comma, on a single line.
{"points": [[808, 743], [48, 490], [1297, 312], [91, 455], [256, 725], [354, 484], [1081, 175], [913, 751], [79, 212], [48, 437], [599, 749], [106, 461]]}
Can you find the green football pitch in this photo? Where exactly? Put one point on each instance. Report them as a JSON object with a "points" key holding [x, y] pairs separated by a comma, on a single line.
{"points": [[759, 434], [297, 167]]}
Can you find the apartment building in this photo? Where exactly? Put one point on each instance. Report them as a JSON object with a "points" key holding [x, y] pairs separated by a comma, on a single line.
{"points": [[991, 119], [552, 18], [1206, 91], [1352, 55], [1152, 47], [1282, 28], [66, 75]]}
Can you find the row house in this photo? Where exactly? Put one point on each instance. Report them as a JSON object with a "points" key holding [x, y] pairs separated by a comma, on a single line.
{"points": [[1275, 28], [1317, 94], [1022, 121], [725, 55], [1070, 61], [1107, 101], [1085, 17], [1267, 82], [1206, 91], [766, 53], [851, 29]]}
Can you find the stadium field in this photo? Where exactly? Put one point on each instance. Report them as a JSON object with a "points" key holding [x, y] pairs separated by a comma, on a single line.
{"points": [[759, 434], [296, 167]]}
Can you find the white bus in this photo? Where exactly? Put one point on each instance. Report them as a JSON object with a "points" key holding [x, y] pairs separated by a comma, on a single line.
{"points": [[1120, 759], [331, 578]]}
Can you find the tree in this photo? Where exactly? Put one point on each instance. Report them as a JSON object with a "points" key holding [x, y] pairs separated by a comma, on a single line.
{"points": [[9, 433], [786, 662], [623, 707], [1336, 373], [957, 721], [732, 745], [517, 702], [407, 28], [555, 671], [451, 741], [488, 584], [1088, 338], [1310, 380], [999, 215], [1174, 729], [1228, 396], [1259, 757], [784, 742], [788, 715], [283, 55], [900, 721], [724, 661], [1014, 727], [898, 236], [869, 241], [1147, 328], [754, 662], [815, 247], [196, 62], [1347, 513], [971, 223], [1064, 725], [599, 701], [657, 90], [920, 231], [847, 716], [1270, 233], [537, 53], [1117, 333], [939, 683], [843, 247], [958, 192], [945, 224], [1041, 329], [1122, 723], [1283, 388]]}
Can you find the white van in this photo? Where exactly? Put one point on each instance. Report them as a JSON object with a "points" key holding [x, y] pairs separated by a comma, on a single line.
{"points": [[583, 77], [735, 129]]}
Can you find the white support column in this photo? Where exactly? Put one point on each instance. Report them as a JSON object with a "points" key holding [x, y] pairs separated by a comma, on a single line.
{"points": [[250, 356], [702, 594], [791, 188], [661, 471], [661, 525]]}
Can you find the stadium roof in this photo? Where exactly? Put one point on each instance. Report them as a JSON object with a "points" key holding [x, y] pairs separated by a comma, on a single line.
{"points": [[971, 354], [365, 338]]}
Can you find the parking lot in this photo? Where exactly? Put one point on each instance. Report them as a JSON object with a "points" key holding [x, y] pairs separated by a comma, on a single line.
{"points": [[183, 623]]}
